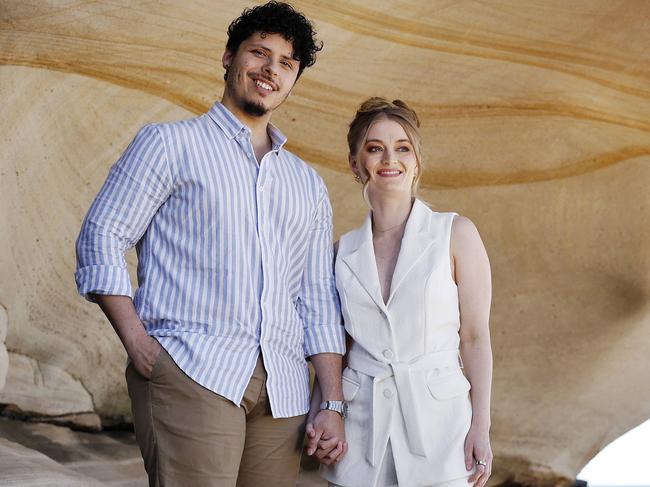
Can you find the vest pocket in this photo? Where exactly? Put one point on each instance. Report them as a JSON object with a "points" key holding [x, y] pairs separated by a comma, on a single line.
{"points": [[448, 386], [350, 386]]}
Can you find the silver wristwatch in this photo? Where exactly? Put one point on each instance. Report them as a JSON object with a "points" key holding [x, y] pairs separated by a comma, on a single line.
{"points": [[340, 407]]}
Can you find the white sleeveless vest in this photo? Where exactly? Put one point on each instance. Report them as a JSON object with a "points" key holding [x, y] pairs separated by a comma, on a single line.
{"points": [[404, 379]]}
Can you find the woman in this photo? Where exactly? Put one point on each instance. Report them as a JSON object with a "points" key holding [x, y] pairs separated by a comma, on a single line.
{"points": [[415, 295]]}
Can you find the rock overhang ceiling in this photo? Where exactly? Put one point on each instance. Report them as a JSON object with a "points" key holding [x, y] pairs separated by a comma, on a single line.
{"points": [[536, 122]]}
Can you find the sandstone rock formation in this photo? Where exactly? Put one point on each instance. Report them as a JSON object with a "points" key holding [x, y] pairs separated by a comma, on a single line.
{"points": [[4, 356], [536, 120], [24, 467]]}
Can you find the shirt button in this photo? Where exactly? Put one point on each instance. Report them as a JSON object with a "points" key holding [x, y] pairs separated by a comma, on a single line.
{"points": [[388, 353], [388, 393]]}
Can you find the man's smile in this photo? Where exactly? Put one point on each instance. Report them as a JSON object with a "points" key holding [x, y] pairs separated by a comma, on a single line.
{"points": [[264, 86]]}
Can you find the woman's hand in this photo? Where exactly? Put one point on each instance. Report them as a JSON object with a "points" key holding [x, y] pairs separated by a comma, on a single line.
{"points": [[478, 452]]}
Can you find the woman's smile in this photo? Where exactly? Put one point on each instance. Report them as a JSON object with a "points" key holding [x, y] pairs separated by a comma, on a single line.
{"points": [[389, 173]]}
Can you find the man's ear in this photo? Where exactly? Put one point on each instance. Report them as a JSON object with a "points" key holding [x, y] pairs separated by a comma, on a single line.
{"points": [[226, 59]]}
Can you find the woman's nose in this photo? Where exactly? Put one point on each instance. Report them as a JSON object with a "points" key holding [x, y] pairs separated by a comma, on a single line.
{"points": [[388, 157]]}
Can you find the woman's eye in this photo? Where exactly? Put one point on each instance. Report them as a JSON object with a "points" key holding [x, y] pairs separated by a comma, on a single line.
{"points": [[403, 149], [374, 148]]}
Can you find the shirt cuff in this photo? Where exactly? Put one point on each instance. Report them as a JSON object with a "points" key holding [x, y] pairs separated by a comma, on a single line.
{"points": [[325, 339], [103, 279]]}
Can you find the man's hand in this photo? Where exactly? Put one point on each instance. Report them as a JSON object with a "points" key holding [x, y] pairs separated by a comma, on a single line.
{"points": [[143, 353], [142, 348], [326, 437], [325, 430]]}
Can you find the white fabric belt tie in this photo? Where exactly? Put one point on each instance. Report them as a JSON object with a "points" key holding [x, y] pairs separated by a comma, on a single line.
{"points": [[379, 371]]}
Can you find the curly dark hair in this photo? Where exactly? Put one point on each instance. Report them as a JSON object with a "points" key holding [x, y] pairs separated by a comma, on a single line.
{"points": [[277, 18]]}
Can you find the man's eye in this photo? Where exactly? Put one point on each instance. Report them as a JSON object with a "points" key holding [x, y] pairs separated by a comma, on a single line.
{"points": [[287, 64], [258, 52]]}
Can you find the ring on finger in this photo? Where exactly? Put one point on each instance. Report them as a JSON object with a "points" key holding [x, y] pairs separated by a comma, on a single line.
{"points": [[483, 463]]}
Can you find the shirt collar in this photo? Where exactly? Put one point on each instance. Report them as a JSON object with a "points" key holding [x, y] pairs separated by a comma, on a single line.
{"points": [[278, 139], [233, 127]]}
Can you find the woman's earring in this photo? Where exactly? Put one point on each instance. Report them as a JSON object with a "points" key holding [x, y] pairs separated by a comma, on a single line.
{"points": [[414, 182], [357, 178]]}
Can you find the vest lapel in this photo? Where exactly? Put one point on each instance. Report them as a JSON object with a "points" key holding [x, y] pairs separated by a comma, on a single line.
{"points": [[363, 265], [416, 241]]}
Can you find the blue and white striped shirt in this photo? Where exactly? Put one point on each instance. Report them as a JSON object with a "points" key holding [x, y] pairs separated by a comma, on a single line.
{"points": [[233, 257]]}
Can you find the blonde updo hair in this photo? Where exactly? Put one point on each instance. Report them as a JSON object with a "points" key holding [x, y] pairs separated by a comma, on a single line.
{"points": [[377, 108]]}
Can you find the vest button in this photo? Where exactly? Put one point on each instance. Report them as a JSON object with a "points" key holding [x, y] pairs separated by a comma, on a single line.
{"points": [[388, 353], [388, 393]]}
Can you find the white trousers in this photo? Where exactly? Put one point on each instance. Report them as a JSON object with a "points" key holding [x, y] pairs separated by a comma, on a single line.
{"points": [[451, 483], [388, 475]]}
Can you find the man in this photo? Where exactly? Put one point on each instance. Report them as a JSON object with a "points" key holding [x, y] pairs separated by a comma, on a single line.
{"points": [[233, 234]]}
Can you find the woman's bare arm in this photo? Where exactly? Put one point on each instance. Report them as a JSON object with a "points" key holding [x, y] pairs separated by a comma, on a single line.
{"points": [[471, 269]]}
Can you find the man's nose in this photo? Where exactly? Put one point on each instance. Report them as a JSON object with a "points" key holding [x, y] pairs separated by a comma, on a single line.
{"points": [[271, 67]]}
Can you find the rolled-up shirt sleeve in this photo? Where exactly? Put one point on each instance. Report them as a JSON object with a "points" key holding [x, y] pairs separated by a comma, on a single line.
{"points": [[137, 185], [319, 305]]}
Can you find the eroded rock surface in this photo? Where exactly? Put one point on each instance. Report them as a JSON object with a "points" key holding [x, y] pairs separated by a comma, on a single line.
{"points": [[41, 388], [24, 467], [4, 356], [536, 123]]}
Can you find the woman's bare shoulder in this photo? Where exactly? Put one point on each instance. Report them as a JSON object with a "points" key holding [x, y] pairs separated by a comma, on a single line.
{"points": [[464, 235]]}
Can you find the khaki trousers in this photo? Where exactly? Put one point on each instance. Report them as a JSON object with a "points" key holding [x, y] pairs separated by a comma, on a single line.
{"points": [[190, 436]]}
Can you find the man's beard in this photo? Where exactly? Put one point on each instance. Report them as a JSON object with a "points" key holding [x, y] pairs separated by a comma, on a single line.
{"points": [[254, 109]]}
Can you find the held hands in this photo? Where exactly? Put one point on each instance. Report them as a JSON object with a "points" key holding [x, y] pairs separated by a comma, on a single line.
{"points": [[326, 436], [478, 453], [144, 353]]}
